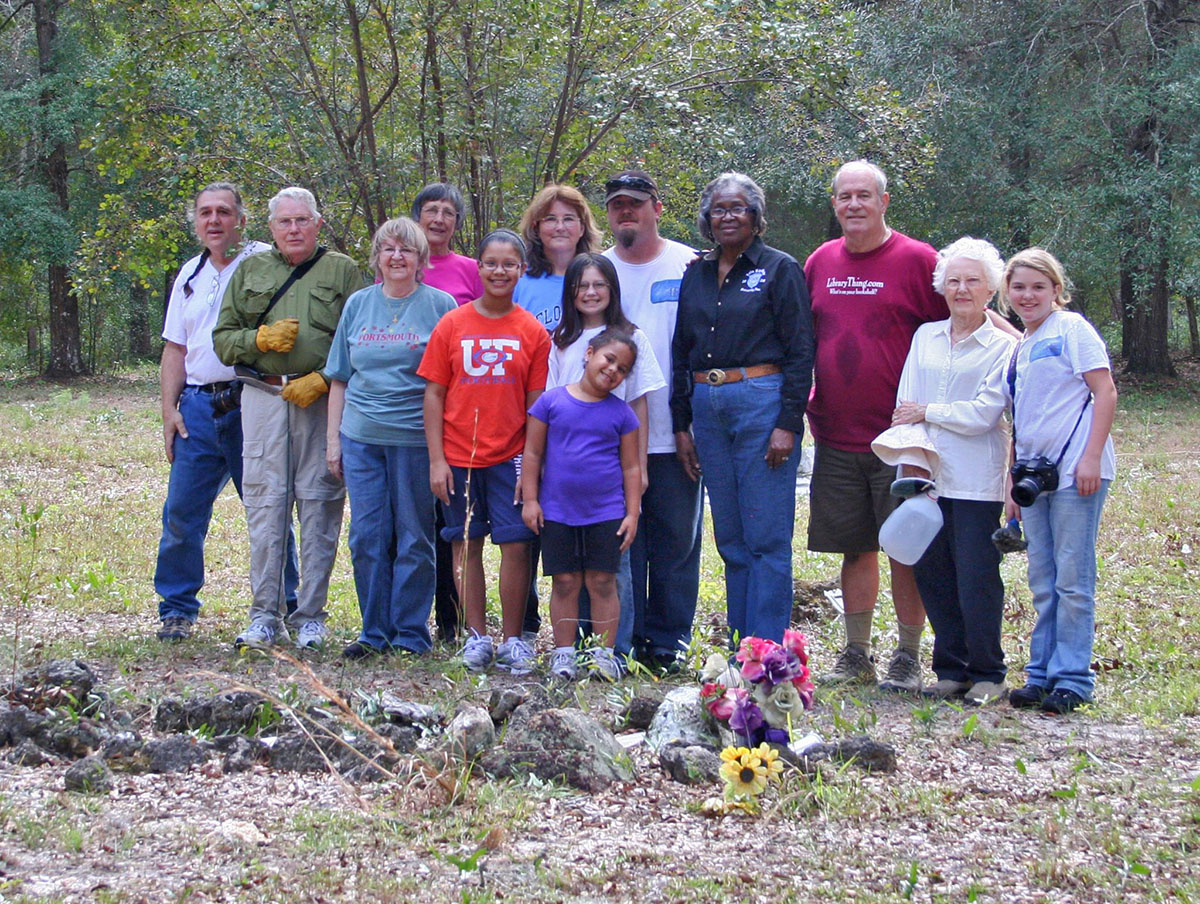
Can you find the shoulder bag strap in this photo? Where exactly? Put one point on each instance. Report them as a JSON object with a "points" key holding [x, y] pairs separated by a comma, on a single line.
{"points": [[296, 274]]}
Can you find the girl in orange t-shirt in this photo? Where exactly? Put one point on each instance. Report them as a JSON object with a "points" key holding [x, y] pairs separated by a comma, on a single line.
{"points": [[485, 364]]}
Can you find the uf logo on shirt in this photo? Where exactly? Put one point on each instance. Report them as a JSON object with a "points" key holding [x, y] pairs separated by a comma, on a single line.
{"points": [[487, 356], [754, 280]]}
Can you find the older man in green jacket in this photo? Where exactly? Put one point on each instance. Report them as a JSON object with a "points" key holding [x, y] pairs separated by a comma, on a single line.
{"points": [[276, 324]]}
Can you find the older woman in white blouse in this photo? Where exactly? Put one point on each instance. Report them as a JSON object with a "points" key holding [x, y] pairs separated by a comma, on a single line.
{"points": [[952, 386]]}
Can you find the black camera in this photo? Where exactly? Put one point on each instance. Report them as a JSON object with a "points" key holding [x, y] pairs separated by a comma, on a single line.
{"points": [[1032, 477], [227, 399]]}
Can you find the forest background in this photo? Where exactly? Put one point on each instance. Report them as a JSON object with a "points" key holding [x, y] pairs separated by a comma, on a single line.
{"points": [[1073, 124]]}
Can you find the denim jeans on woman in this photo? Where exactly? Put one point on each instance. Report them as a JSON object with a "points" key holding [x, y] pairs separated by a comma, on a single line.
{"points": [[753, 506], [391, 542], [1061, 528]]}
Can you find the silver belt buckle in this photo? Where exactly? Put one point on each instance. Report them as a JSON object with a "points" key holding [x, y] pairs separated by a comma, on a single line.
{"points": [[715, 377]]}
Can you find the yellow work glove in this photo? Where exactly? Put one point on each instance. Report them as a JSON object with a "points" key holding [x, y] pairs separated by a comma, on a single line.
{"points": [[279, 336], [305, 390]]}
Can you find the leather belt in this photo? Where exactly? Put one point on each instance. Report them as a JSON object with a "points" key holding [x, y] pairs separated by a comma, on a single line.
{"points": [[718, 377], [278, 379], [214, 387]]}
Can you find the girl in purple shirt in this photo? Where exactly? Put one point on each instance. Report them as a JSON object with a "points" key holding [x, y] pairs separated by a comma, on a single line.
{"points": [[581, 486]]}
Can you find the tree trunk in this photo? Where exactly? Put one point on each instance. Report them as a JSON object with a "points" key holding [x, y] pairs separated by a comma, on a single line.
{"points": [[65, 357], [1147, 321], [1193, 332], [139, 320]]}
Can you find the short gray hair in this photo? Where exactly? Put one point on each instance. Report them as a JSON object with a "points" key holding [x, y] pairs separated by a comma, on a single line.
{"points": [[756, 197], [880, 175], [973, 250], [408, 234], [240, 208], [294, 193]]}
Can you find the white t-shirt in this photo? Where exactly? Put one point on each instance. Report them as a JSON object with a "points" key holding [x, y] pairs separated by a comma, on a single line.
{"points": [[566, 366], [650, 299], [1051, 392], [190, 320]]}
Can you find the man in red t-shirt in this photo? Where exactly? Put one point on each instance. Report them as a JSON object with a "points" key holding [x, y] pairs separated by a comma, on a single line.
{"points": [[870, 291]]}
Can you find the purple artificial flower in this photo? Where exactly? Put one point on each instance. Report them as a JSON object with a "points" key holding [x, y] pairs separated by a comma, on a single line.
{"points": [[777, 736], [747, 719], [779, 666]]}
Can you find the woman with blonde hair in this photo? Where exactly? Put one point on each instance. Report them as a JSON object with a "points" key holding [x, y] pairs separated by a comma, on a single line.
{"points": [[1063, 401]]}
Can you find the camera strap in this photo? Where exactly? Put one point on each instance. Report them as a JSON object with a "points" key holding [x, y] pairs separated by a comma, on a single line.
{"points": [[297, 274], [1011, 378]]}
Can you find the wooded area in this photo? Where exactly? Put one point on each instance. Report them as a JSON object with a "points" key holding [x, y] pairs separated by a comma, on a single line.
{"points": [[1066, 123]]}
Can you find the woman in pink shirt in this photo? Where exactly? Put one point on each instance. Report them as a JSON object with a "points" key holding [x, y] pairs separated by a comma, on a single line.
{"points": [[438, 210]]}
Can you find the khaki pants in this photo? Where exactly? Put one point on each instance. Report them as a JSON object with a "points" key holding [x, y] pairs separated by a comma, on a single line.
{"points": [[283, 457]]}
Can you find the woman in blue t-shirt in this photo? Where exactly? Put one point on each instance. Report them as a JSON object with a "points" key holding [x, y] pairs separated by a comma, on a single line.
{"points": [[556, 226], [376, 441]]}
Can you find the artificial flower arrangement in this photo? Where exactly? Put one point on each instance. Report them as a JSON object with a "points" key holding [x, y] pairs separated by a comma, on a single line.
{"points": [[760, 699]]}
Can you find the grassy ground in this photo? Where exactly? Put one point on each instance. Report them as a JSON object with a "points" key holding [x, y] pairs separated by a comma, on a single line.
{"points": [[991, 805]]}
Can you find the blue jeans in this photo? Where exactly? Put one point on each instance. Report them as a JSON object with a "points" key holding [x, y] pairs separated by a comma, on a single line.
{"points": [[753, 506], [204, 462], [391, 542], [1061, 528], [664, 559]]}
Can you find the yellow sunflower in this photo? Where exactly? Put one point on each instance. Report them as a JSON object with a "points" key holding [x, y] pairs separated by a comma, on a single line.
{"points": [[770, 760], [743, 772]]}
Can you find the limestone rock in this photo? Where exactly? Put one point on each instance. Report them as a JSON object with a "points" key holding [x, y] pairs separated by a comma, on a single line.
{"points": [[681, 720], [560, 745], [639, 713], [90, 775], [177, 754], [690, 765], [28, 753], [470, 732]]}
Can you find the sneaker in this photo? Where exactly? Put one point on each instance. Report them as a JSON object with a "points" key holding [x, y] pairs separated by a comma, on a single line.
{"points": [[984, 692], [515, 656], [530, 637], [854, 664], [259, 636], [945, 688], [563, 665], [311, 636], [174, 628], [1060, 702], [359, 650], [1028, 697], [477, 652], [603, 663], [903, 674]]}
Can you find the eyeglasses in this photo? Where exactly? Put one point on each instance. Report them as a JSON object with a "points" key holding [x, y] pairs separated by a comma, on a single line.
{"points": [[433, 210], [971, 283], [569, 220], [396, 252], [506, 266], [633, 183], [597, 287], [738, 211], [297, 222]]}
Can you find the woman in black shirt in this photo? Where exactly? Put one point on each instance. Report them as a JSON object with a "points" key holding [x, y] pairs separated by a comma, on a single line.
{"points": [[742, 368]]}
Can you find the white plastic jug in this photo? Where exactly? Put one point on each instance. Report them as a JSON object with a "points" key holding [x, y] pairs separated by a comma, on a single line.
{"points": [[909, 530]]}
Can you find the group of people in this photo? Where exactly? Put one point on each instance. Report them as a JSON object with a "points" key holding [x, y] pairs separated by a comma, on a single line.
{"points": [[573, 404]]}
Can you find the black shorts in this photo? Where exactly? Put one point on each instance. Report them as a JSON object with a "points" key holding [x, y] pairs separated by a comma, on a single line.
{"points": [[592, 547]]}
